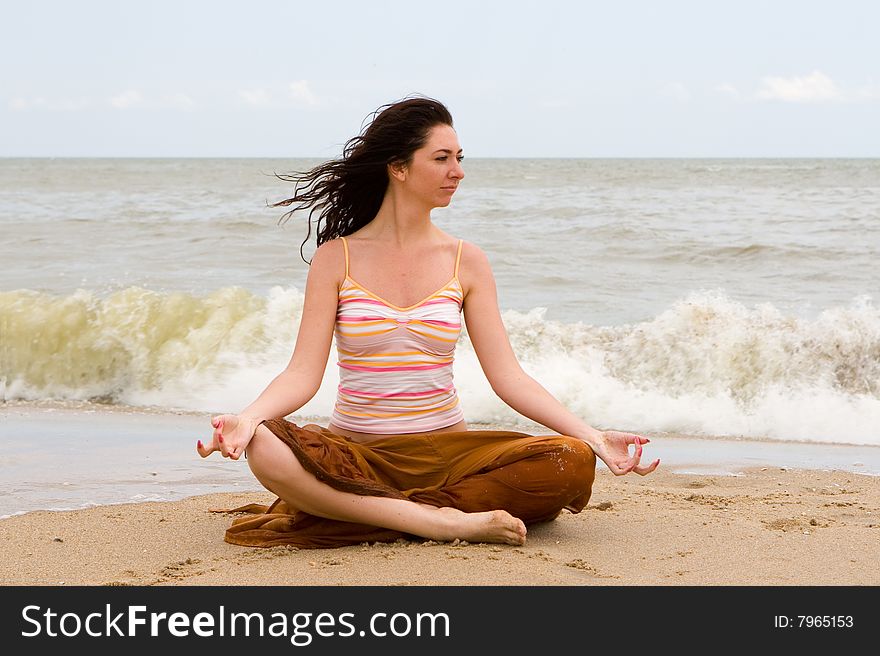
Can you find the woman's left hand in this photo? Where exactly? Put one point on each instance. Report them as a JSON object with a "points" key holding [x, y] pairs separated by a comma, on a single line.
{"points": [[232, 434], [612, 447]]}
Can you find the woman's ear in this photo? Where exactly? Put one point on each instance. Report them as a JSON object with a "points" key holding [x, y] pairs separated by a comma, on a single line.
{"points": [[397, 170]]}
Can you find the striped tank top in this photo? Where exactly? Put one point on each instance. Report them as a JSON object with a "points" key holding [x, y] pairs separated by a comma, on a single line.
{"points": [[395, 364]]}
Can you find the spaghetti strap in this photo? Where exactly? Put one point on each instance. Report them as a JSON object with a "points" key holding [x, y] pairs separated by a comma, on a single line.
{"points": [[458, 257], [345, 246]]}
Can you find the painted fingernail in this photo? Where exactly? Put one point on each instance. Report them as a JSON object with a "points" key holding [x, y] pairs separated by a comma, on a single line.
{"points": [[199, 444], [220, 437]]}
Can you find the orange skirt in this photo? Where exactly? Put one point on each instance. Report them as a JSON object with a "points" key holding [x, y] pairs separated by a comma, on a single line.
{"points": [[532, 478]]}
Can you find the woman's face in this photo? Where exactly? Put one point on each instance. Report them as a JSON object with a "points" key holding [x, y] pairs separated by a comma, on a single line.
{"points": [[435, 171]]}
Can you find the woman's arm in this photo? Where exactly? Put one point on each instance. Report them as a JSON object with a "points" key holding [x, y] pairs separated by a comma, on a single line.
{"points": [[514, 386], [301, 379]]}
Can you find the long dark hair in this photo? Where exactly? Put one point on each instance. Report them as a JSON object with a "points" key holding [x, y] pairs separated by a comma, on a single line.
{"points": [[347, 192]]}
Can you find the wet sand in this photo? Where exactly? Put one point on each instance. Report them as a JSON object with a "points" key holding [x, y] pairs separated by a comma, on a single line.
{"points": [[76, 455]]}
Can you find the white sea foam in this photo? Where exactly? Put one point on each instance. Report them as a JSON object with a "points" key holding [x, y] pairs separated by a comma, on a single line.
{"points": [[706, 365]]}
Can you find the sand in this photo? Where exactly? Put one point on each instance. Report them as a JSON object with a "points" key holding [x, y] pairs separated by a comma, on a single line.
{"points": [[767, 526]]}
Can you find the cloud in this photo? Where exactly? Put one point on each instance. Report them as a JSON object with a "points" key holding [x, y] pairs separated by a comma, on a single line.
{"points": [[300, 93], [127, 99], [178, 101], [255, 97], [816, 87], [294, 94], [728, 90], [19, 104]]}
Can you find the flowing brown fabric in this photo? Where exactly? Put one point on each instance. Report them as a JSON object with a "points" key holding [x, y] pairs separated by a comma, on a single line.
{"points": [[530, 477]]}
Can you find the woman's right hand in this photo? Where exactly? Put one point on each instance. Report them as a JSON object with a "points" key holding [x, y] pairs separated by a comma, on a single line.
{"points": [[612, 447], [232, 434]]}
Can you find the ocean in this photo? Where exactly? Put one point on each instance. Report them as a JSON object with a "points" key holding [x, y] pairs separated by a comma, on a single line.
{"points": [[718, 298]]}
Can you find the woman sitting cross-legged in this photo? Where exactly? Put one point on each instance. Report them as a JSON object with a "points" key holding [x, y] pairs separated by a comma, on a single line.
{"points": [[397, 459]]}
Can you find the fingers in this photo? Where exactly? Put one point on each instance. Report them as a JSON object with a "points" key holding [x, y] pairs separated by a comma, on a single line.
{"points": [[643, 471], [623, 467], [205, 450], [634, 460], [224, 447], [217, 436], [227, 450], [629, 438], [216, 444], [632, 463]]}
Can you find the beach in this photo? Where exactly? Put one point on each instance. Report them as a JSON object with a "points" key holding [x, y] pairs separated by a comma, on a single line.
{"points": [[768, 526], [699, 302], [703, 518]]}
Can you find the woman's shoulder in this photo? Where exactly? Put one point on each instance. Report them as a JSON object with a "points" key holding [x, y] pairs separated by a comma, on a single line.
{"points": [[468, 249], [474, 269], [330, 250], [472, 254], [329, 260]]}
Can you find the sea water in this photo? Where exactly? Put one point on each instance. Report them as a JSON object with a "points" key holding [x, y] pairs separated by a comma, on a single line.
{"points": [[730, 298]]}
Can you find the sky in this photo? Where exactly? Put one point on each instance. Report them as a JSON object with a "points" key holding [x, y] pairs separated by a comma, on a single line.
{"points": [[268, 78]]}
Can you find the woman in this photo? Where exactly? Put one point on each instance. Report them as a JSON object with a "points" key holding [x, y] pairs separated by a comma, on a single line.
{"points": [[397, 458]]}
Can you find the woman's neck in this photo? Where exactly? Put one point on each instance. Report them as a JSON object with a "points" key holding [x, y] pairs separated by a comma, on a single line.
{"points": [[401, 223]]}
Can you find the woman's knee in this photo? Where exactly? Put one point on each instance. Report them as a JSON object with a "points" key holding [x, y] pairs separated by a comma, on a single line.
{"points": [[260, 443], [267, 456], [577, 463]]}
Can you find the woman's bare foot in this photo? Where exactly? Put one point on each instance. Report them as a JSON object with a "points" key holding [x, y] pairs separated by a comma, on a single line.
{"points": [[490, 526]]}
